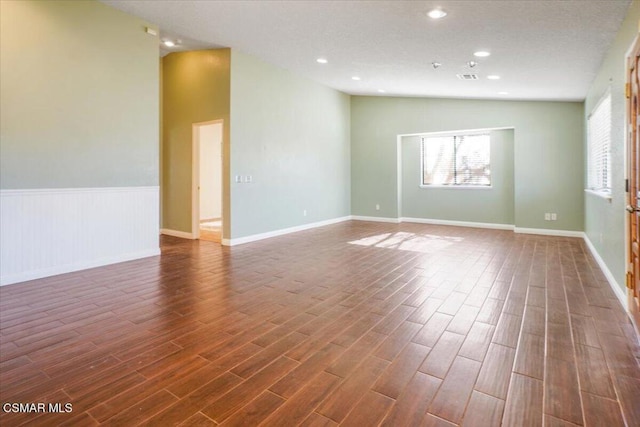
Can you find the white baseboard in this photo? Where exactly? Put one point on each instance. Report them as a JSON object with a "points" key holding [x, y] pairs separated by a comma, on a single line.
{"points": [[541, 231], [375, 219], [54, 271], [458, 223], [262, 236], [549, 232], [176, 233], [615, 286], [51, 231]]}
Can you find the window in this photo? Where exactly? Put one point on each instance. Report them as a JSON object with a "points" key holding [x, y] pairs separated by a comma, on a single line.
{"points": [[456, 160], [599, 146]]}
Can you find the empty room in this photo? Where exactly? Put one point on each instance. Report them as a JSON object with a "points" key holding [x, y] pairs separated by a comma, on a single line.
{"points": [[319, 213]]}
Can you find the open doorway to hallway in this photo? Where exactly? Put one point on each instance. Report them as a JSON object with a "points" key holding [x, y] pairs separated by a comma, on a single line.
{"points": [[207, 180]]}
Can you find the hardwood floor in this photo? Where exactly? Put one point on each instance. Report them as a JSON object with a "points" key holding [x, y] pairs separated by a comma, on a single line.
{"points": [[211, 230], [356, 323], [211, 235]]}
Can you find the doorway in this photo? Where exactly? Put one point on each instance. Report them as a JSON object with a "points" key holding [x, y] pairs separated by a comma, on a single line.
{"points": [[207, 181]]}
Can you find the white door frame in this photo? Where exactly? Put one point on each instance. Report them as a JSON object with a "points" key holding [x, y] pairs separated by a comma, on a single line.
{"points": [[195, 175]]}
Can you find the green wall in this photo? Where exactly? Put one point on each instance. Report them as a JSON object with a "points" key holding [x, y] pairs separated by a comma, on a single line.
{"points": [[75, 109], [605, 219], [548, 152], [195, 89], [489, 205], [292, 136]]}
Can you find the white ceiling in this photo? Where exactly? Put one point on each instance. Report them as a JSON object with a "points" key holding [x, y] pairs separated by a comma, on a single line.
{"points": [[547, 50]]}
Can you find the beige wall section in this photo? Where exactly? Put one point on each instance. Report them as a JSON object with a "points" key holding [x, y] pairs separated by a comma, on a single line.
{"points": [[195, 89], [78, 96]]}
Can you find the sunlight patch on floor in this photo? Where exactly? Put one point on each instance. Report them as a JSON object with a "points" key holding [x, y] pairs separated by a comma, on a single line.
{"points": [[403, 241]]}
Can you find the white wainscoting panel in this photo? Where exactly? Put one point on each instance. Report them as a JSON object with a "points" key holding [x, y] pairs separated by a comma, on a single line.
{"points": [[52, 231]]}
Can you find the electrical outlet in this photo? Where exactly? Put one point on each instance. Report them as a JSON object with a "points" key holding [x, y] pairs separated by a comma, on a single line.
{"points": [[248, 179], [554, 217], [304, 212], [238, 179], [377, 207], [547, 216]]}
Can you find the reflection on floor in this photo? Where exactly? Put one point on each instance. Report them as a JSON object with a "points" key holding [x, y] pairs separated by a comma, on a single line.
{"points": [[211, 230], [357, 323]]}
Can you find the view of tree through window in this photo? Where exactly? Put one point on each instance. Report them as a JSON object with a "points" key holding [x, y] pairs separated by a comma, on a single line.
{"points": [[456, 160]]}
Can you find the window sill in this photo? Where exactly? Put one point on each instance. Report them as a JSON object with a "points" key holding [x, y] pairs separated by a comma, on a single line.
{"points": [[602, 194], [459, 187]]}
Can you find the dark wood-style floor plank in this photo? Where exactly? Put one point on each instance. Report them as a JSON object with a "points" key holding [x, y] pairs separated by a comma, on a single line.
{"points": [[399, 373], [495, 373], [413, 402], [370, 411], [601, 411], [483, 411], [451, 400], [524, 402], [356, 323], [351, 390], [442, 355], [300, 405]]}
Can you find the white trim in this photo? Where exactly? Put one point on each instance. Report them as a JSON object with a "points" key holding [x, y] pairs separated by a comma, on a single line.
{"points": [[54, 271], [490, 225], [455, 132], [617, 289], [50, 231], [375, 219], [176, 233], [261, 236], [456, 187], [604, 95], [399, 175], [549, 232], [602, 194], [459, 223], [92, 190], [195, 181]]}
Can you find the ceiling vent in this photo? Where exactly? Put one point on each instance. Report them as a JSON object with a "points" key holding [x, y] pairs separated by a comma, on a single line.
{"points": [[467, 76]]}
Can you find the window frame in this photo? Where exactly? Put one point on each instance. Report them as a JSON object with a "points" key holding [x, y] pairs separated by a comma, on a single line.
{"points": [[604, 192], [463, 133]]}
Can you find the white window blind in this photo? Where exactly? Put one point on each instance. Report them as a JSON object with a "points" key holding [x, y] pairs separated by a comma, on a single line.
{"points": [[463, 160], [599, 146]]}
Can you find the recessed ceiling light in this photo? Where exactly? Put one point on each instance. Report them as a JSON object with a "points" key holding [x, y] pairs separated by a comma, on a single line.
{"points": [[168, 43], [503, 93], [481, 54], [381, 90], [437, 14], [493, 77], [355, 78], [321, 60]]}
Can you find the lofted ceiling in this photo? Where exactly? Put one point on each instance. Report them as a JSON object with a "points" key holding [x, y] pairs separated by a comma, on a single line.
{"points": [[542, 50]]}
